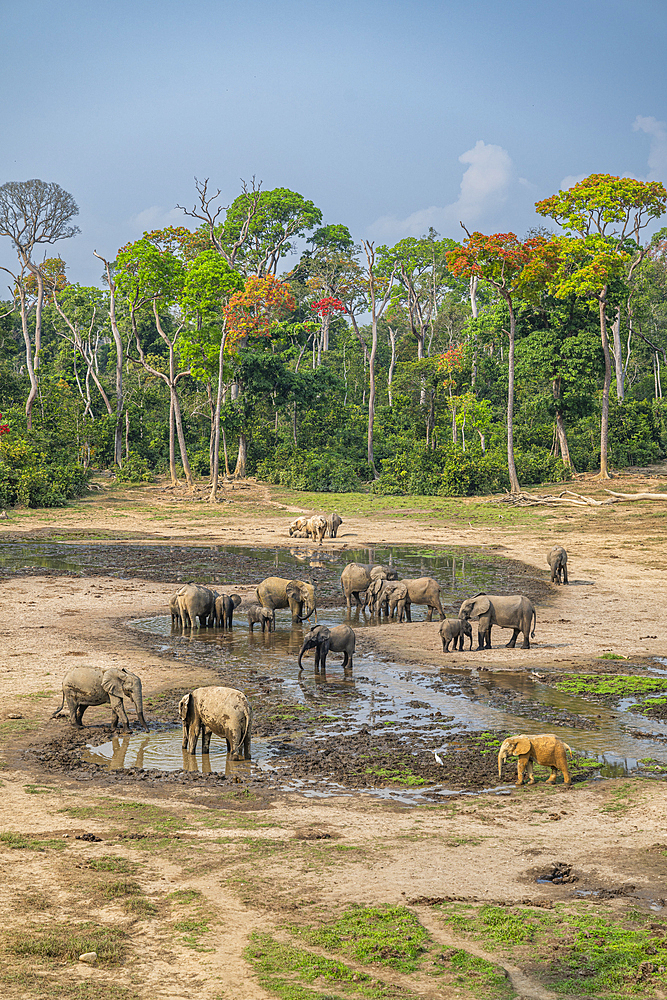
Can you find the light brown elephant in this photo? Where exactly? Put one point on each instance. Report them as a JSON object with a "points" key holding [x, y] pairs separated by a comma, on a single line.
{"points": [[85, 686], [220, 710], [195, 602], [297, 595], [356, 577], [316, 527], [544, 748]]}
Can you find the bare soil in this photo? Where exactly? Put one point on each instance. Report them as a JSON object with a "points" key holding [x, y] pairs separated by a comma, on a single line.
{"points": [[251, 857]]}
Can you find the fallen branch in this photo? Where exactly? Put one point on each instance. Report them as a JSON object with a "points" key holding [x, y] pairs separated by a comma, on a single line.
{"points": [[638, 496], [567, 496]]}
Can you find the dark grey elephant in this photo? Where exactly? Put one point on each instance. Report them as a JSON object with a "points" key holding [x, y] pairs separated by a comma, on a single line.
{"points": [[224, 609], [257, 615], [220, 710], [514, 612], [333, 524], [557, 559], [297, 595], [85, 686], [456, 629], [356, 577], [339, 639]]}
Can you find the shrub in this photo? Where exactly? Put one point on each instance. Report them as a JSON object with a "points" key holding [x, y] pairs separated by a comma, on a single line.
{"points": [[135, 470], [29, 479], [319, 471]]}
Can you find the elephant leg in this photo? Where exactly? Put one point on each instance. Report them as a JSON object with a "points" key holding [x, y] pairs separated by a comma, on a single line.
{"points": [[529, 772], [118, 708], [565, 579], [461, 638], [526, 640], [193, 736], [246, 742], [552, 777], [185, 737], [317, 659], [78, 714], [512, 643], [205, 739], [520, 769], [429, 615]]}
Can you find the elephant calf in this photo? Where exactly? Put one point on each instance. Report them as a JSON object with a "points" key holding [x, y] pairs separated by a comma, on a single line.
{"points": [[258, 615], [224, 609], [557, 559], [85, 686], [340, 639], [457, 630], [333, 524], [545, 749], [220, 710]]}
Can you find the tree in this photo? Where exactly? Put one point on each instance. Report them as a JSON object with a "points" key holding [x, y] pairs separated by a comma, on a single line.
{"points": [[31, 213], [277, 218], [607, 214], [504, 262]]}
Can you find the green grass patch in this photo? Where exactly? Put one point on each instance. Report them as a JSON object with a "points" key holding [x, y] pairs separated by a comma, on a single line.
{"points": [[131, 896], [609, 685], [112, 863], [283, 968], [31, 986], [387, 935], [38, 790], [399, 775], [23, 842], [186, 896], [66, 941], [192, 930], [478, 976], [141, 815]]}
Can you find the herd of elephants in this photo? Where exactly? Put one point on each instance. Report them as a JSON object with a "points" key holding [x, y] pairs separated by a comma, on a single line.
{"points": [[226, 712]]}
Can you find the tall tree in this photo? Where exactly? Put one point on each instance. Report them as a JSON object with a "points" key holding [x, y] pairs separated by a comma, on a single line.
{"points": [[109, 274], [32, 213], [503, 262], [603, 217]]}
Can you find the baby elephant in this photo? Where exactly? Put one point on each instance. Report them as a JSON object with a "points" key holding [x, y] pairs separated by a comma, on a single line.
{"points": [[259, 615], [557, 559], [545, 749], [455, 629]]}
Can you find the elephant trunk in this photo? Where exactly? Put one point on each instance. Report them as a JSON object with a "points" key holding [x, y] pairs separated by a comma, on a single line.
{"points": [[139, 707], [303, 649], [501, 760]]}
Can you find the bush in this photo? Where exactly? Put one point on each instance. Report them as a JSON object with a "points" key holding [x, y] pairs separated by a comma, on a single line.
{"points": [[27, 478], [314, 471], [135, 470]]}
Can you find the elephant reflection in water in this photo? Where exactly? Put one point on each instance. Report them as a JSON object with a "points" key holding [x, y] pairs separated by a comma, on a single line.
{"points": [[120, 746], [191, 763]]}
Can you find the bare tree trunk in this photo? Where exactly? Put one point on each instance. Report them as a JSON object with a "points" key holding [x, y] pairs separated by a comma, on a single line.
{"points": [[473, 307], [224, 448], [118, 341], [127, 435], [511, 468], [34, 386], [618, 355], [560, 425], [241, 460], [215, 465], [392, 364], [604, 423], [172, 445]]}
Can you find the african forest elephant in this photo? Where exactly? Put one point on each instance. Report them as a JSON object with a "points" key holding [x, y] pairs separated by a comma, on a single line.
{"points": [[85, 686], [356, 577], [316, 527], [194, 602], [298, 526], [545, 749], [391, 597], [333, 524], [456, 629], [220, 710], [224, 609], [557, 559], [297, 595], [515, 612], [424, 590], [257, 615], [339, 639]]}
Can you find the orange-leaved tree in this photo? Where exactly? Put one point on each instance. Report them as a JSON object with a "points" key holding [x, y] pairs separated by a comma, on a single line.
{"points": [[515, 269]]}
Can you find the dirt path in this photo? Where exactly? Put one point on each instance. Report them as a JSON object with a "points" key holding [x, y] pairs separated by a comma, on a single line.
{"points": [[216, 858]]}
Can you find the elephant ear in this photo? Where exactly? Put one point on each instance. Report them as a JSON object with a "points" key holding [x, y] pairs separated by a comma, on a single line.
{"points": [[235, 599], [112, 682], [522, 746], [378, 573], [293, 590], [481, 605], [184, 706], [323, 634]]}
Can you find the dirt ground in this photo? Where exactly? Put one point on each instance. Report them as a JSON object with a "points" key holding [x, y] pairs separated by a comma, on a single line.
{"points": [[206, 865]]}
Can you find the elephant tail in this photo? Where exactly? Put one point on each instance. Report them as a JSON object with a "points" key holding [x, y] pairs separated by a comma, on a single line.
{"points": [[569, 749], [60, 707], [532, 634]]}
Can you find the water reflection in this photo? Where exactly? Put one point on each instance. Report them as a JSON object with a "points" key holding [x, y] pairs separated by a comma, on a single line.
{"points": [[164, 751]]}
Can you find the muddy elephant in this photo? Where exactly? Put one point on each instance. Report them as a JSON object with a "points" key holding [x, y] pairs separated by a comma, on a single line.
{"points": [[85, 686], [224, 609], [356, 577], [514, 612], [316, 527], [297, 595], [393, 598], [456, 629], [545, 749], [339, 639], [257, 615], [424, 590], [220, 710], [298, 527], [557, 559], [196, 601], [175, 609], [333, 524]]}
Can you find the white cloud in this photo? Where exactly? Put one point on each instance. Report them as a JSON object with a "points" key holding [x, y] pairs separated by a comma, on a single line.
{"points": [[484, 189], [570, 181], [156, 217], [657, 157]]}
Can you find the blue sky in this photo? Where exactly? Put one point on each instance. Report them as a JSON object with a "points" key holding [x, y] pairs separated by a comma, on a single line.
{"points": [[390, 116]]}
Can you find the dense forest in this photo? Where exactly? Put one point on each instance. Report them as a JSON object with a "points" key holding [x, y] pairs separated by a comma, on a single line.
{"points": [[432, 366]]}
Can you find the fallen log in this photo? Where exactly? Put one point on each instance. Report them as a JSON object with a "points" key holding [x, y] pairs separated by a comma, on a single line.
{"points": [[638, 496]]}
